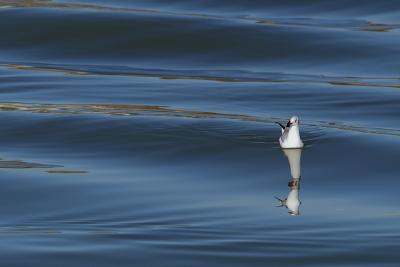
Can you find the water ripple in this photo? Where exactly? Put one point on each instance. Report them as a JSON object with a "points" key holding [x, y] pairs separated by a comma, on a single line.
{"points": [[348, 24], [152, 110], [210, 75]]}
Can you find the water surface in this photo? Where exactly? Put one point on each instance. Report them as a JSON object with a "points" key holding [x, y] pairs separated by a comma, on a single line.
{"points": [[143, 133]]}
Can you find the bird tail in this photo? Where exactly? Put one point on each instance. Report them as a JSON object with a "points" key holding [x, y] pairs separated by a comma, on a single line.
{"points": [[282, 126]]}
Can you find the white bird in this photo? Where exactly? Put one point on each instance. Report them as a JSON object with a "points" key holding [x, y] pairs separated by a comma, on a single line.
{"points": [[290, 137]]}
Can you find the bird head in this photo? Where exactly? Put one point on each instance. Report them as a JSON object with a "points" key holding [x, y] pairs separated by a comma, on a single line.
{"points": [[293, 121]]}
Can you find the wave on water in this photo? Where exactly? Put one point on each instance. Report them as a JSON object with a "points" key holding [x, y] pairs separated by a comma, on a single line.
{"points": [[350, 24], [160, 40], [148, 110], [208, 75]]}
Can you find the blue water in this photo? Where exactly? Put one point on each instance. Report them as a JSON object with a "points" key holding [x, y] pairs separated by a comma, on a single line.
{"points": [[143, 133]]}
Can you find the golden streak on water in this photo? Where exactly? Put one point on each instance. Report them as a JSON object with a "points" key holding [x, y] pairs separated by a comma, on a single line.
{"points": [[379, 27], [210, 78], [154, 110], [66, 172], [364, 84], [20, 164], [267, 21], [51, 4], [119, 109]]}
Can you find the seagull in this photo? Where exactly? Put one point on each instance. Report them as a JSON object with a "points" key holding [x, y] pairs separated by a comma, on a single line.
{"points": [[290, 137]]}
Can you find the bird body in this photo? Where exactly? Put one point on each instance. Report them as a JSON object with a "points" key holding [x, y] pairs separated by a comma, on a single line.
{"points": [[290, 137]]}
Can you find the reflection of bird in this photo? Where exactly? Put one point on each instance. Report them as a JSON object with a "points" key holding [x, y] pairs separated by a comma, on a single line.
{"points": [[294, 158], [292, 202], [290, 137]]}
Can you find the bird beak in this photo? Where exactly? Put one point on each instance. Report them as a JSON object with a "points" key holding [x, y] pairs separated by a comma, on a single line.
{"points": [[288, 124]]}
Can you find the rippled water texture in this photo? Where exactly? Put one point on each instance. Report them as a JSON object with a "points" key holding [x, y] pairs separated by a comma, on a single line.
{"points": [[142, 133]]}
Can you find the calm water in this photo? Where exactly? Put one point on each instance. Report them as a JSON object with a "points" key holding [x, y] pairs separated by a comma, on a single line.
{"points": [[141, 133]]}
